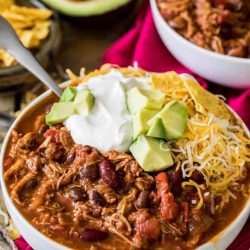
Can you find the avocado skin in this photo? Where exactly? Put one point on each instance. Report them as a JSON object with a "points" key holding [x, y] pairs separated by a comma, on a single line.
{"points": [[86, 8]]}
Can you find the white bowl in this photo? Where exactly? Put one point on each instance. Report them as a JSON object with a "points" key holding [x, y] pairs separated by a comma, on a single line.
{"points": [[40, 242], [225, 70]]}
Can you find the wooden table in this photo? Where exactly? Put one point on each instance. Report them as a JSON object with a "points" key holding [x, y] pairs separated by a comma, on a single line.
{"points": [[85, 40]]}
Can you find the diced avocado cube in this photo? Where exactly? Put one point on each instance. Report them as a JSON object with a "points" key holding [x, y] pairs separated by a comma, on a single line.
{"points": [[174, 117], [59, 112], [151, 154], [68, 95], [157, 129], [140, 120], [138, 98], [159, 115], [84, 102]]}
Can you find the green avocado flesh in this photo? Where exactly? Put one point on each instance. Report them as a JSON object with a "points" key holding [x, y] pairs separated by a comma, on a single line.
{"points": [[174, 118], [85, 8], [141, 98], [71, 102], [157, 129], [68, 95], [59, 112], [140, 121], [84, 102], [152, 154]]}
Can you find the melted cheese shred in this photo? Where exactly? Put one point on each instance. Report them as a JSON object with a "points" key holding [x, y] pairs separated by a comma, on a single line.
{"points": [[198, 187], [218, 149]]}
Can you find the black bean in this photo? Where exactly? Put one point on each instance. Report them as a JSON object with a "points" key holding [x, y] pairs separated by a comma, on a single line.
{"points": [[142, 200], [93, 235], [235, 5], [226, 31], [95, 198], [198, 177], [60, 155], [88, 149], [43, 129], [77, 194], [176, 180], [89, 171], [31, 184], [108, 174], [55, 152]]}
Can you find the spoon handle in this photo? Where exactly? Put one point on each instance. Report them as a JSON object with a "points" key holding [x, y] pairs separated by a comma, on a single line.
{"points": [[27, 60], [10, 42]]}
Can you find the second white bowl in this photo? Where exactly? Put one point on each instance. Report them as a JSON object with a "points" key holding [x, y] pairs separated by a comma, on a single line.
{"points": [[225, 70]]}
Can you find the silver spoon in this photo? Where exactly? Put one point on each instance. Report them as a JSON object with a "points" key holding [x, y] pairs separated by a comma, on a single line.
{"points": [[10, 42]]}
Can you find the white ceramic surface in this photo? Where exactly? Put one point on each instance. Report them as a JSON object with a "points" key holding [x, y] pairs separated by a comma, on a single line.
{"points": [[40, 242], [225, 70]]}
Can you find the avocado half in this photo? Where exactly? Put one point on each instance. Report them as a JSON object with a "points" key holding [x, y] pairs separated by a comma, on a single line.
{"points": [[85, 8]]}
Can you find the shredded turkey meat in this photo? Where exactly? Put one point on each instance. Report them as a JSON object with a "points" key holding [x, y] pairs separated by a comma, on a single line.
{"points": [[81, 197], [222, 26]]}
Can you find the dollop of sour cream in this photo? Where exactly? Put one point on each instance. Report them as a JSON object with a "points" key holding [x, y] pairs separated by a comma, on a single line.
{"points": [[109, 124]]}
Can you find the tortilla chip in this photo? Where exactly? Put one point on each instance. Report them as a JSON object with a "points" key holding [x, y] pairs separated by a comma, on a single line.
{"points": [[205, 101], [6, 60], [5, 4], [31, 13], [41, 29], [167, 82], [32, 25]]}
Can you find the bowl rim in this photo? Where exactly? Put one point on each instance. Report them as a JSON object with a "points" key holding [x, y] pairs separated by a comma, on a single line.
{"points": [[204, 51], [206, 245]]}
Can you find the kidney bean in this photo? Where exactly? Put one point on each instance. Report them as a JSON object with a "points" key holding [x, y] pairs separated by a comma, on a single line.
{"points": [[89, 171], [143, 200], [48, 108], [77, 194], [175, 182], [234, 5], [108, 174], [198, 177], [43, 128], [70, 158], [95, 198], [93, 235]]}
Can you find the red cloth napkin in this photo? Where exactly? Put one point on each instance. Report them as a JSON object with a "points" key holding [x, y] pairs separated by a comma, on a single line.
{"points": [[142, 44]]}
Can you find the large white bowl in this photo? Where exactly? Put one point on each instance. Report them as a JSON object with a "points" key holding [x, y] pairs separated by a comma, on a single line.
{"points": [[225, 70], [40, 242]]}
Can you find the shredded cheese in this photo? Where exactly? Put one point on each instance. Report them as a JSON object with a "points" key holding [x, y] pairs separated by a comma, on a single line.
{"points": [[198, 187], [215, 146], [220, 151]]}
